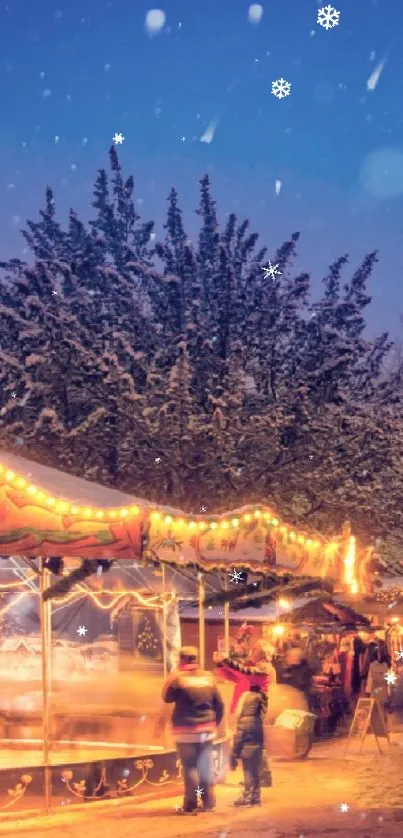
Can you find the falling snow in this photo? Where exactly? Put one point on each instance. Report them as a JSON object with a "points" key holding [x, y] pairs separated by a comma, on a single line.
{"points": [[280, 88], [328, 17], [255, 13], [155, 21], [209, 133], [375, 75]]}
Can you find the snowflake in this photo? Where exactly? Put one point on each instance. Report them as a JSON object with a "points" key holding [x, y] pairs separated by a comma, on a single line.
{"points": [[271, 271], [199, 792], [344, 807], [236, 576], [390, 678], [203, 509], [54, 292], [157, 460], [82, 631], [13, 395], [118, 139], [399, 656], [280, 88], [328, 17]]}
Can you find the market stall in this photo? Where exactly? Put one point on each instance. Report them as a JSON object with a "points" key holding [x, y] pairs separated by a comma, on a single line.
{"points": [[70, 544]]}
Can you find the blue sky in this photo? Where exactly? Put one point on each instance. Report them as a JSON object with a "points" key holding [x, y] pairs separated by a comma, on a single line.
{"points": [[83, 70]]}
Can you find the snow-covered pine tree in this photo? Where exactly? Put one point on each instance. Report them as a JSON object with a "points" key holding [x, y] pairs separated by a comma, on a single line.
{"points": [[195, 376]]}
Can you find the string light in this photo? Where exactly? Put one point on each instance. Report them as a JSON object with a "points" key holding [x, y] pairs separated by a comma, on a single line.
{"points": [[39, 497]]}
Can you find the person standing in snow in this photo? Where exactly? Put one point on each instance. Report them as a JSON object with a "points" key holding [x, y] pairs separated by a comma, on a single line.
{"points": [[257, 672], [248, 744], [198, 710]]}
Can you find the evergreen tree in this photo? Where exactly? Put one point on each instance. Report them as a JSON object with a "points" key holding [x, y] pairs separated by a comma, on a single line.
{"points": [[195, 377]]}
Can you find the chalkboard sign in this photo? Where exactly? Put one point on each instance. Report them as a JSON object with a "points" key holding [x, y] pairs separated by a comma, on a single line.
{"points": [[368, 718]]}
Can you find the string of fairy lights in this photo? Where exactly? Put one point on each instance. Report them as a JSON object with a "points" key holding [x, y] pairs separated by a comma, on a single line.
{"points": [[177, 523], [201, 523]]}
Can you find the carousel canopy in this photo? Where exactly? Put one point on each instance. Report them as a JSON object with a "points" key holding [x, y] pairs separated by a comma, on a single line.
{"points": [[45, 512]]}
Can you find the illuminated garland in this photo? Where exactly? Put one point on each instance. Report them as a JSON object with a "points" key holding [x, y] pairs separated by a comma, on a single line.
{"points": [[64, 507], [32, 494]]}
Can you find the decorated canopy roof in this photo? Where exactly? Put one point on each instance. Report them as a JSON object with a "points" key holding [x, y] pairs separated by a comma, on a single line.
{"points": [[45, 512]]}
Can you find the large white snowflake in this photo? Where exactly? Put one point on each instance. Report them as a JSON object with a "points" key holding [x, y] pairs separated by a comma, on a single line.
{"points": [[280, 88], [270, 272], [236, 576], [118, 139], [328, 17], [391, 678]]}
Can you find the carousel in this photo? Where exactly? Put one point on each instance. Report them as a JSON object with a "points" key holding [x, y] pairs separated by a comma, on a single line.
{"points": [[92, 586]]}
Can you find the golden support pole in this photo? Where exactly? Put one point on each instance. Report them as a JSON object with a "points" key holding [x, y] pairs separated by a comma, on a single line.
{"points": [[202, 625], [164, 625], [226, 621], [46, 631]]}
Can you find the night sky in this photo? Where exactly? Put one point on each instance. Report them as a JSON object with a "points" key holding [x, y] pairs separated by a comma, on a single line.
{"points": [[75, 73]]}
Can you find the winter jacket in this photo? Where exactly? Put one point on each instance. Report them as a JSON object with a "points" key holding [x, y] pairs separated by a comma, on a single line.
{"points": [[250, 724], [198, 708], [244, 676]]}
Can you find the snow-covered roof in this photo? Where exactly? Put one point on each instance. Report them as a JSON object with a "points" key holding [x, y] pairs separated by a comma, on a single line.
{"points": [[66, 487]]}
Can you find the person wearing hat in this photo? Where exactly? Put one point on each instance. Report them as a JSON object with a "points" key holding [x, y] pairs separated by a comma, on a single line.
{"points": [[198, 710]]}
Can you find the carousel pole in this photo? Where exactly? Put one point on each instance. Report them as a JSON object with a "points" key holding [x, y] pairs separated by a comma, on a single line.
{"points": [[46, 631], [164, 625], [202, 625], [226, 620]]}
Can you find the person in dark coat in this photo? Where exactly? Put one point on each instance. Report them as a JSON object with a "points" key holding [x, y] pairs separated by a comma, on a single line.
{"points": [[198, 710], [249, 743], [298, 673]]}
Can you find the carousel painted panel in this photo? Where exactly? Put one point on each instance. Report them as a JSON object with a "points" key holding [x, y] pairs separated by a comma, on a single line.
{"points": [[242, 540]]}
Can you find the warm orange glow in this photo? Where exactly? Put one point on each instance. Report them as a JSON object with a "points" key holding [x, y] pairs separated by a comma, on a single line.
{"points": [[12, 585], [284, 603], [278, 630], [9, 475], [32, 490], [50, 502], [292, 536], [213, 525], [20, 483], [235, 522], [75, 510], [224, 525], [247, 517], [275, 522], [99, 514], [124, 513], [350, 578], [257, 513], [168, 519], [192, 524]]}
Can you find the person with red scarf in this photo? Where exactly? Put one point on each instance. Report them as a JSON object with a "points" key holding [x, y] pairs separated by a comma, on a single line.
{"points": [[257, 672]]}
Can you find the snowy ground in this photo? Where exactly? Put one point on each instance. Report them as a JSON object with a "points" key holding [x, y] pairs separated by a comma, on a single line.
{"points": [[304, 801]]}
